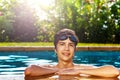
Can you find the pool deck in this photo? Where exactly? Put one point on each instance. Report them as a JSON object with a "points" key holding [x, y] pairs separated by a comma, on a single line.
{"points": [[40, 48]]}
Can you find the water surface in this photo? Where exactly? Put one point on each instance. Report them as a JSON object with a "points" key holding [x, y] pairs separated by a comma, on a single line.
{"points": [[14, 62]]}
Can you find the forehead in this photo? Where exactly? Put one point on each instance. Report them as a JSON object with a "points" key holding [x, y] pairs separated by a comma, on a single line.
{"points": [[66, 41]]}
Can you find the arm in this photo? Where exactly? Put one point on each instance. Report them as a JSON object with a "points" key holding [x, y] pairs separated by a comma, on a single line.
{"points": [[104, 71], [38, 71]]}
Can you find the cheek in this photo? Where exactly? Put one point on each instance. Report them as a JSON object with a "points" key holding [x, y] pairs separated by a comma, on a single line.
{"points": [[60, 48], [72, 49], [72, 53]]}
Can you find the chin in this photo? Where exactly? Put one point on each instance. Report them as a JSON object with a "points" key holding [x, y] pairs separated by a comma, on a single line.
{"points": [[66, 60]]}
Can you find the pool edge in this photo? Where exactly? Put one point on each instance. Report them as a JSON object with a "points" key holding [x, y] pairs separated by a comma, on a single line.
{"points": [[40, 48]]}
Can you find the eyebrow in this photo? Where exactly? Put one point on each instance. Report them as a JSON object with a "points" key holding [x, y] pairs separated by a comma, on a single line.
{"points": [[65, 42]]}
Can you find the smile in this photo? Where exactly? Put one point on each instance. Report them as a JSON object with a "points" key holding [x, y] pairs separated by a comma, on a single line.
{"points": [[66, 54]]}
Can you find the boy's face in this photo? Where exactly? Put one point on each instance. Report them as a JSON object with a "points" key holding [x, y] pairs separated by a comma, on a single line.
{"points": [[65, 50]]}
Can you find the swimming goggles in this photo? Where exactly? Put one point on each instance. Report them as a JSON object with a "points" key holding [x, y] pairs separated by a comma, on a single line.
{"points": [[71, 37]]}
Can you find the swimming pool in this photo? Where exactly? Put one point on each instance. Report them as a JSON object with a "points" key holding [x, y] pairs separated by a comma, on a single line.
{"points": [[14, 62]]}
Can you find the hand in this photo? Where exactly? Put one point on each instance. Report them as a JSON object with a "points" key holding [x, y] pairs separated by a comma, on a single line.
{"points": [[68, 72]]}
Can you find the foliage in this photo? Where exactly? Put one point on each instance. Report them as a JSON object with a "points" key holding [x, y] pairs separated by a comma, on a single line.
{"points": [[115, 11], [91, 19], [23, 25], [95, 21], [6, 19]]}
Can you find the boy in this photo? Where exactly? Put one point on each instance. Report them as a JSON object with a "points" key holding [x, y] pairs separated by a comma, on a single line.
{"points": [[65, 42]]}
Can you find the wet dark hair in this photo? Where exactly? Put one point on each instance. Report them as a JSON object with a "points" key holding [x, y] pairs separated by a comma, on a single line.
{"points": [[65, 34]]}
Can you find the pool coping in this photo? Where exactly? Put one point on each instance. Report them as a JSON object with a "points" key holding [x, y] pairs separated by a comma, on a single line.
{"points": [[40, 48]]}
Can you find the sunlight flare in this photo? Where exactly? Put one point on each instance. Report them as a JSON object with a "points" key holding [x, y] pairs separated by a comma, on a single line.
{"points": [[38, 6]]}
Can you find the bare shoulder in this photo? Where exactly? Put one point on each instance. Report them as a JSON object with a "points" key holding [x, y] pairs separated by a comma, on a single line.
{"points": [[49, 66], [84, 66]]}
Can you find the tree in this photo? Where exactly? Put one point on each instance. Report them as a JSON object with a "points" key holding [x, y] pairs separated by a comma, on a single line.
{"points": [[23, 25], [6, 19], [115, 11]]}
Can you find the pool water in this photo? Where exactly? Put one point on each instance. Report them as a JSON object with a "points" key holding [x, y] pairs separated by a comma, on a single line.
{"points": [[15, 62]]}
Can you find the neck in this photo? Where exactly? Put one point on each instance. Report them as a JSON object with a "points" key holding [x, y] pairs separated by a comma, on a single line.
{"points": [[65, 64]]}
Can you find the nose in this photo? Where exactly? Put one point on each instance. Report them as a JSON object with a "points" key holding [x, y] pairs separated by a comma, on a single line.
{"points": [[66, 47]]}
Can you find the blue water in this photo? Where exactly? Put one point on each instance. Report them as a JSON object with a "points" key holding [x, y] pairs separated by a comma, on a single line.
{"points": [[14, 63]]}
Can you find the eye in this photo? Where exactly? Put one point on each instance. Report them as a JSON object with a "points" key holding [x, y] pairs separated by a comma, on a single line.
{"points": [[72, 45], [61, 43]]}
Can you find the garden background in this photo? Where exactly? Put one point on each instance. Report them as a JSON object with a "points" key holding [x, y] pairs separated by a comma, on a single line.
{"points": [[94, 21]]}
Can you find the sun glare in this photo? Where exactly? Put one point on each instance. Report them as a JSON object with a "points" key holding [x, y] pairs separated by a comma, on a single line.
{"points": [[40, 2], [36, 5]]}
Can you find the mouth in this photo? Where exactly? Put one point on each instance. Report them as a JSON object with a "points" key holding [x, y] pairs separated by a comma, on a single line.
{"points": [[66, 54]]}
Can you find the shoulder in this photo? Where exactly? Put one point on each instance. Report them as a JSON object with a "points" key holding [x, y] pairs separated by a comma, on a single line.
{"points": [[48, 66], [84, 66], [40, 66]]}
